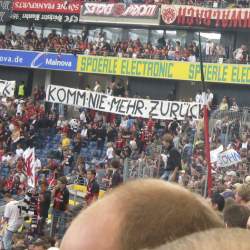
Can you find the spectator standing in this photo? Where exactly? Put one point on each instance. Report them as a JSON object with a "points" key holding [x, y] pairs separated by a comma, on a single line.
{"points": [[19, 151], [241, 54], [21, 90], [234, 107], [220, 53], [97, 87], [198, 97], [92, 187], [209, 51], [44, 205], [223, 105], [116, 177], [60, 196], [173, 159], [209, 97], [12, 217], [224, 131], [109, 152]]}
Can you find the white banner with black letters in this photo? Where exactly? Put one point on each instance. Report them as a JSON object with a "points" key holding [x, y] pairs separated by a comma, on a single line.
{"points": [[145, 108], [7, 88], [228, 158]]}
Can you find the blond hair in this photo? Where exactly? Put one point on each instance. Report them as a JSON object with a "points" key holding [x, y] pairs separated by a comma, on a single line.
{"points": [[156, 211], [223, 239], [244, 192]]}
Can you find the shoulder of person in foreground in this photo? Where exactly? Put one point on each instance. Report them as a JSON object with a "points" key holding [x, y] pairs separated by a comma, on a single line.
{"points": [[223, 239]]}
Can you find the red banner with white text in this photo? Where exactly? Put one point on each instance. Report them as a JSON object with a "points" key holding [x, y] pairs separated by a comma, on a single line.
{"points": [[120, 9], [128, 14], [47, 6], [184, 15]]}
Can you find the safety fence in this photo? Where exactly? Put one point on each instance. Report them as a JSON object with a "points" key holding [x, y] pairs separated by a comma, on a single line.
{"points": [[229, 125], [147, 166]]}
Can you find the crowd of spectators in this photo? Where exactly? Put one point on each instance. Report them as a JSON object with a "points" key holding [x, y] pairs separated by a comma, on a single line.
{"points": [[164, 50], [103, 149]]}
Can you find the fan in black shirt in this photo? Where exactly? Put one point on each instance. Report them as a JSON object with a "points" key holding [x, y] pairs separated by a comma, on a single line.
{"points": [[173, 160], [111, 134], [116, 176], [44, 202], [92, 187]]}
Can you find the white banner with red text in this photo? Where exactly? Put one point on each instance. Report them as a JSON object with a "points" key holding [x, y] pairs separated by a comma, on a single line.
{"points": [[135, 107], [29, 158]]}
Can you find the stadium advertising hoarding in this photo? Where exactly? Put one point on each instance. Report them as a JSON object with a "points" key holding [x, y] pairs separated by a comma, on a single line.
{"points": [[158, 69], [141, 14], [38, 60], [47, 11], [5, 11], [184, 15], [157, 109], [163, 69]]}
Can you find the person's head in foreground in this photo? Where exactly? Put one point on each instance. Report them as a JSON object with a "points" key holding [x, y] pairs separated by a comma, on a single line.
{"points": [[218, 202], [140, 214], [221, 239], [242, 195], [236, 216]]}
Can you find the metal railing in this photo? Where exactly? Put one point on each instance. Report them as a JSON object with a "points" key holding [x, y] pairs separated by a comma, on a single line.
{"points": [[237, 121]]}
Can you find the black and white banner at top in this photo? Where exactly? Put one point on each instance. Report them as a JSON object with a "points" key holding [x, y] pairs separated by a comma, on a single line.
{"points": [[45, 17], [7, 88], [145, 108], [5, 11]]}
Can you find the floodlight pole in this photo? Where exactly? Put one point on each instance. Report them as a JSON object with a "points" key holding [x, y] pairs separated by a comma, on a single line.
{"points": [[206, 124]]}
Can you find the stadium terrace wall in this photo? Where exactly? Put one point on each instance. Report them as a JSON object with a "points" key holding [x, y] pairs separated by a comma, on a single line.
{"points": [[144, 68]]}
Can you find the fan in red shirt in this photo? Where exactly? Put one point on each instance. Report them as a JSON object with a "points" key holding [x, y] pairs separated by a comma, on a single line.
{"points": [[92, 188], [20, 164], [119, 143], [52, 165], [9, 183], [150, 124], [52, 180], [1, 152], [65, 129]]}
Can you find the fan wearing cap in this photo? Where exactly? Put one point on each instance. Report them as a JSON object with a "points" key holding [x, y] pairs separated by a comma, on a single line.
{"points": [[60, 196], [173, 159]]}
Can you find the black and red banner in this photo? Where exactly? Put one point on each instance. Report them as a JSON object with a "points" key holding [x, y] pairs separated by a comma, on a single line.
{"points": [[127, 14], [47, 6], [184, 15], [47, 11]]}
